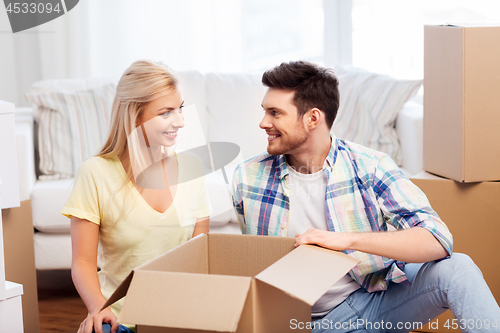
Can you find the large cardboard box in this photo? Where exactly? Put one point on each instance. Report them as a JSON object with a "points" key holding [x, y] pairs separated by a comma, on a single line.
{"points": [[472, 213], [461, 102], [230, 283], [20, 260]]}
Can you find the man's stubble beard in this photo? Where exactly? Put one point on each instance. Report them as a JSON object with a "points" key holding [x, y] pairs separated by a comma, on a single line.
{"points": [[291, 143]]}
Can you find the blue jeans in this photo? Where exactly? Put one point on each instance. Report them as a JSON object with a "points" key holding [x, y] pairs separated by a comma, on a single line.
{"points": [[455, 283], [106, 328]]}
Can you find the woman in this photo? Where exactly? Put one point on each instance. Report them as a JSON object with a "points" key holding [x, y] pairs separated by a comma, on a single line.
{"points": [[136, 199]]}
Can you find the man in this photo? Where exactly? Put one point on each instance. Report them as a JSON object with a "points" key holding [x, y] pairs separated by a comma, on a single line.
{"points": [[343, 196]]}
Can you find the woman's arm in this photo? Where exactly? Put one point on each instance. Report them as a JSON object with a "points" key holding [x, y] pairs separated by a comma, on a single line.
{"points": [[202, 226], [84, 242]]}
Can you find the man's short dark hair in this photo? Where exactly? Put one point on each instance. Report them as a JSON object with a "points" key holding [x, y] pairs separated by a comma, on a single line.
{"points": [[314, 86]]}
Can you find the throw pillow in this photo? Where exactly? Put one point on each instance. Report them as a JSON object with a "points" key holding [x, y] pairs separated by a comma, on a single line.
{"points": [[369, 105], [73, 126]]}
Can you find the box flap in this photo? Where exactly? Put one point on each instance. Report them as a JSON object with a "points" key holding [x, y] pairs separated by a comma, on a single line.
{"points": [[120, 292], [179, 300], [189, 257], [308, 272], [245, 255]]}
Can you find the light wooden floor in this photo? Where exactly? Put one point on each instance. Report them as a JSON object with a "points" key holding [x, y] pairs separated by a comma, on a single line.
{"points": [[60, 307]]}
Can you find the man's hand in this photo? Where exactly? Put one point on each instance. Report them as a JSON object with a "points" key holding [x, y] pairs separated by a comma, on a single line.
{"points": [[331, 240]]}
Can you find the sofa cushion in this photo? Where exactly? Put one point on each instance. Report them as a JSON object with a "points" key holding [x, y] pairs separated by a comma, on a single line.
{"points": [[73, 126], [369, 105], [52, 251], [234, 105], [47, 200], [410, 129]]}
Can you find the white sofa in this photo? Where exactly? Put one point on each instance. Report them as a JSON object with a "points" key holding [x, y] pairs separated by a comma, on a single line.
{"points": [[228, 109]]}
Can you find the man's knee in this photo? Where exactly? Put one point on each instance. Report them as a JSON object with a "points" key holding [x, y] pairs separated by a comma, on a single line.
{"points": [[462, 260], [460, 264]]}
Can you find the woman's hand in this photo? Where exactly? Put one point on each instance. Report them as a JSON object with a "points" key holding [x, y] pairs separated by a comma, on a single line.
{"points": [[331, 240], [94, 321]]}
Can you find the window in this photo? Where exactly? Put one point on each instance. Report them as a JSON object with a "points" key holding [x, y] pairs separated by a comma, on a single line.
{"points": [[278, 31], [204, 35], [388, 35]]}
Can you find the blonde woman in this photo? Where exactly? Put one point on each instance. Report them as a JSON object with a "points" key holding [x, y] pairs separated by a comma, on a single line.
{"points": [[137, 198]]}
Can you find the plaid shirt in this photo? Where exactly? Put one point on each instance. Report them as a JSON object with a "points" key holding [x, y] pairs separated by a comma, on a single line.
{"points": [[365, 191]]}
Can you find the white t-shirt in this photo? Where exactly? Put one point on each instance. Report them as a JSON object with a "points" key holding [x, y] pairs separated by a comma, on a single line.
{"points": [[307, 210]]}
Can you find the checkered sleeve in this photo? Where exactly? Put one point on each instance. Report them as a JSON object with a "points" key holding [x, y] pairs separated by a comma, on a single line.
{"points": [[404, 205], [238, 198]]}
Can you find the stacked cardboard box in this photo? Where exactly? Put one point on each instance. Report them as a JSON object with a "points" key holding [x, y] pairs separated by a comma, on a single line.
{"points": [[461, 102], [462, 143]]}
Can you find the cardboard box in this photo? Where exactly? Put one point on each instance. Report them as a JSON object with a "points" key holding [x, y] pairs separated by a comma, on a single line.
{"points": [[461, 102], [472, 213], [20, 260], [229, 283]]}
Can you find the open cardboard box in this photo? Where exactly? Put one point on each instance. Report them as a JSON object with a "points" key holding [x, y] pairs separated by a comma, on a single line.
{"points": [[229, 283]]}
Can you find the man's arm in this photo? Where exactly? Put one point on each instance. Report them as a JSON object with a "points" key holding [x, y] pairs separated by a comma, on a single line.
{"points": [[412, 245], [238, 198], [421, 236]]}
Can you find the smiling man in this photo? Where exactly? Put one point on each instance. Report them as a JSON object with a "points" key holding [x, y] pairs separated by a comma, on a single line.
{"points": [[343, 196]]}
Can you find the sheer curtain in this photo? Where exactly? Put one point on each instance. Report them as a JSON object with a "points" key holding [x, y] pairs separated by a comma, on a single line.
{"points": [[101, 38], [189, 34], [206, 35], [54, 50]]}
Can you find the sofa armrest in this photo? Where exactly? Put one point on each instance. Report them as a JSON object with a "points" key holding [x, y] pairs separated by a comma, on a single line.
{"points": [[24, 126], [409, 127]]}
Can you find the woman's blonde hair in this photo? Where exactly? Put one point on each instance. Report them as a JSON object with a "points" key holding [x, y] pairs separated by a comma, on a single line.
{"points": [[139, 85]]}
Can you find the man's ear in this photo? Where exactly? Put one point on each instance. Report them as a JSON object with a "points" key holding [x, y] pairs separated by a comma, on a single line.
{"points": [[315, 117]]}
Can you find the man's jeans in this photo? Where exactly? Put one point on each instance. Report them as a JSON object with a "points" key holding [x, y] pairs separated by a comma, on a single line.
{"points": [[455, 283]]}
